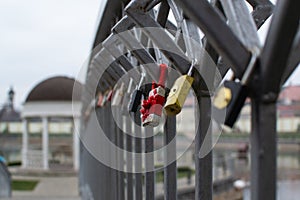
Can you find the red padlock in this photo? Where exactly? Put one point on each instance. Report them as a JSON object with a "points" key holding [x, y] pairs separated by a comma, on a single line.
{"points": [[152, 107]]}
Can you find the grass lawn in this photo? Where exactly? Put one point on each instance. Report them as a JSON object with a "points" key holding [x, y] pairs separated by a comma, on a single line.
{"points": [[181, 173], [23, 185]]}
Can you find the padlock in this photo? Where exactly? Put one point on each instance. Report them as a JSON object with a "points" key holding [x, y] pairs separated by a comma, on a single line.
{"points": [[109, 95], [178, 93], [99, 100], [118, 96], [106, 98], [90, 108], [152, 107], [136, 97], [126, 98], [151, 110], [230, 98]]}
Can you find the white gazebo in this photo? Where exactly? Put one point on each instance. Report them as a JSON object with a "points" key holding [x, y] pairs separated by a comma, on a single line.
{"points": [[57, 97]]}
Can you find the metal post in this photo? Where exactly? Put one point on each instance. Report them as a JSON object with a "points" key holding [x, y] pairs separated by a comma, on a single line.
{"points": [[138, 160], [149, 164], [203, 165], [105, 180], [120, 157], [111, 131], [170, 171], [263, 150], [273, 62], [129, 159]]}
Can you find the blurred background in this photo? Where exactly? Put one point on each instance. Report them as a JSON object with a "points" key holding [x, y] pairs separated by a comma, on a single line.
{"points": [[43, 47]]}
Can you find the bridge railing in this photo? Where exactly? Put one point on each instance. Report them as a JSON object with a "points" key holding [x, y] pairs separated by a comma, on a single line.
{"points": [[132, 35]]}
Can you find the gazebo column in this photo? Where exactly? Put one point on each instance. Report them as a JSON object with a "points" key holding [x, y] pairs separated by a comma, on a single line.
{"points": [[25, 143], [76, 144], [45, 140]]}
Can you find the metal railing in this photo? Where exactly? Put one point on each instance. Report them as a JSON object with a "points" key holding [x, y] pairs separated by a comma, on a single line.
{"points": [[227, 30]]}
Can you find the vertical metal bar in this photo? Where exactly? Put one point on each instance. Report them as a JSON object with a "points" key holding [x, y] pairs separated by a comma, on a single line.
{"points": [[93, 186], [105, 124], [273, 63], [170, 171], [203, 165], [117, 157], [203, 177], [263, 150], [149, 164], [129, 159], [138, 160], [120, 143], [111, 134]]}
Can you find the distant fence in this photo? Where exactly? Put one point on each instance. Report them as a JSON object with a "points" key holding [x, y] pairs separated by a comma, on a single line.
{"points": [[35, 159]]}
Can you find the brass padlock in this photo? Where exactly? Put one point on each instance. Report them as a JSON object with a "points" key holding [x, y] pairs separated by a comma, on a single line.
{"points": [[178, 94], [222, 98], [230, 98]]}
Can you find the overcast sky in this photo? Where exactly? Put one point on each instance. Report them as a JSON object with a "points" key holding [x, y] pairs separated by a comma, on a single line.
{"points": [[44, 38]]}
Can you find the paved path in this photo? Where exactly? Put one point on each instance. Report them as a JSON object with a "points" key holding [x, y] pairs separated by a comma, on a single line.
{"points": [[50, 188]]}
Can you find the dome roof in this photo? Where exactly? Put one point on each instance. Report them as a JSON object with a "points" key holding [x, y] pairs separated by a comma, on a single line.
{"points": [[57, 88]]}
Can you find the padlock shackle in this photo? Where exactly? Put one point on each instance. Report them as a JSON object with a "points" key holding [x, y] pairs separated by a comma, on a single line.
{"points": [[251, 66], [163, 74], [129, 86], [249, 70], [143, 76], [194, 61]]}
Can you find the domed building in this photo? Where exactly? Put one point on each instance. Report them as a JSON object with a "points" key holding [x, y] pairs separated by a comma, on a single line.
{"points": [[52, 108]]}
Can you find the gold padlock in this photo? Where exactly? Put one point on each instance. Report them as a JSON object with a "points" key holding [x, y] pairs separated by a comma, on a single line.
{"points": [[178, 94], [222, 98], [232, 95]]}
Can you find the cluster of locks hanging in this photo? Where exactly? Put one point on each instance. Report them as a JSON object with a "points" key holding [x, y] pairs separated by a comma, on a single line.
{"points": [[155, 99]]}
